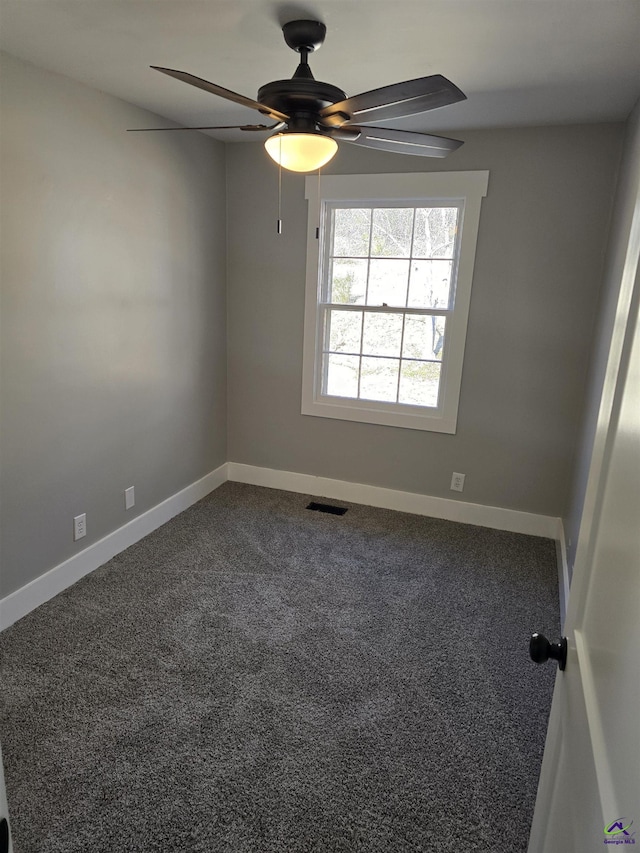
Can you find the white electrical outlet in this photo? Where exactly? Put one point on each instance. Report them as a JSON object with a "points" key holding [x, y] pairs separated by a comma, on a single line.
{"points": [[457, 482], [79, 526], [129, 497]]}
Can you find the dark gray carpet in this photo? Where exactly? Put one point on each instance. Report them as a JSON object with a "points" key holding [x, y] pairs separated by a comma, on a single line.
{"points": [[255, 677]]}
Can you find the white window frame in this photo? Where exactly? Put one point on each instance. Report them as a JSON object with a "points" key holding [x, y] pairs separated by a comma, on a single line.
{"points": [[463, 189]]}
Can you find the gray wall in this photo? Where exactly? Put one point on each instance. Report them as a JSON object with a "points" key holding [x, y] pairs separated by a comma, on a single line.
{"points": [[626, 204], [538, 271], [113, 315]]}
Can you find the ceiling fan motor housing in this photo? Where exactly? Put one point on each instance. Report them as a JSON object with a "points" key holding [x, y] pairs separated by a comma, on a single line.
{"points": [[300, 96]]}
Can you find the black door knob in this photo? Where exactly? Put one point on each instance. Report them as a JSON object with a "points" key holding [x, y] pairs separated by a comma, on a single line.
{"points": [[541, 650], [4, 835]]}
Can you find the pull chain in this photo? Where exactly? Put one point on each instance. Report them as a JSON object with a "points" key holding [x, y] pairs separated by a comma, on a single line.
{"points": [[280, 189], [319, 208]]}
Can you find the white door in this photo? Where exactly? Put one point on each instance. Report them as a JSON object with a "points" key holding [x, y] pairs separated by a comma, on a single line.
{"points": [[589, 791]]}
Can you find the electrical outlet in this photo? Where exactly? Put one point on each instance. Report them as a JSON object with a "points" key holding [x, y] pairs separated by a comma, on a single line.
{"points": [[129, 497], [79, 526], [457, 482]]}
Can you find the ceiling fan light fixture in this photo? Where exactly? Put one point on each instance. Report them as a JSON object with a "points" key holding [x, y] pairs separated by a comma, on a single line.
{"points": [[301, 152]]}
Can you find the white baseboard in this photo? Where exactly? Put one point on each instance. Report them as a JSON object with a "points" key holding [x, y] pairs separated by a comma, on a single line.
{"points": [[32, 595], [451, 510]]}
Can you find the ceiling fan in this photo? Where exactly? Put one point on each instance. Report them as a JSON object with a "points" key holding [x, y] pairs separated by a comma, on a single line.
{"points": [[311, 117]]}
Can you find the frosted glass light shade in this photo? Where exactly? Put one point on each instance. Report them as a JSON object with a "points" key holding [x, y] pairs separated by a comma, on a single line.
{"points": [[301, 152]]}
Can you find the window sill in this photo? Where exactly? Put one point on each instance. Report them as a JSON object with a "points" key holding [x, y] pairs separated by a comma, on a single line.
{"points": [[372, 413]]}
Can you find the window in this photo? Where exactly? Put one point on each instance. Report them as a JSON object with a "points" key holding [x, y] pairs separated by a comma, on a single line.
{"points": [[389, 272]]}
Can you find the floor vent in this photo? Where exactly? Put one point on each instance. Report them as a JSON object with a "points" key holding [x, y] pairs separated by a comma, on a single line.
{"points": [[333, 510]]}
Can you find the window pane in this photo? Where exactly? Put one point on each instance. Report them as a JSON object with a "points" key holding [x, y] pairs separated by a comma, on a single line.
{"points": [[423, 337], [388, 282], [382, 334], [430, 284], [379, 379], [351, 227], [435, 232], [345, 329], [419, 383], [342, 375], [391, 235], [348, 281]]}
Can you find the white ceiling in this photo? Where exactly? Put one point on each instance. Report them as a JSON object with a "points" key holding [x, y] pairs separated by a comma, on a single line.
{"points": [[520, 62]]}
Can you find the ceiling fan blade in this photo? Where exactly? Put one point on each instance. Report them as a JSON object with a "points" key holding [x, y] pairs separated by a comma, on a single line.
{"points": [[401, 141], [222, 92], [400, 99], [251, 127]]}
